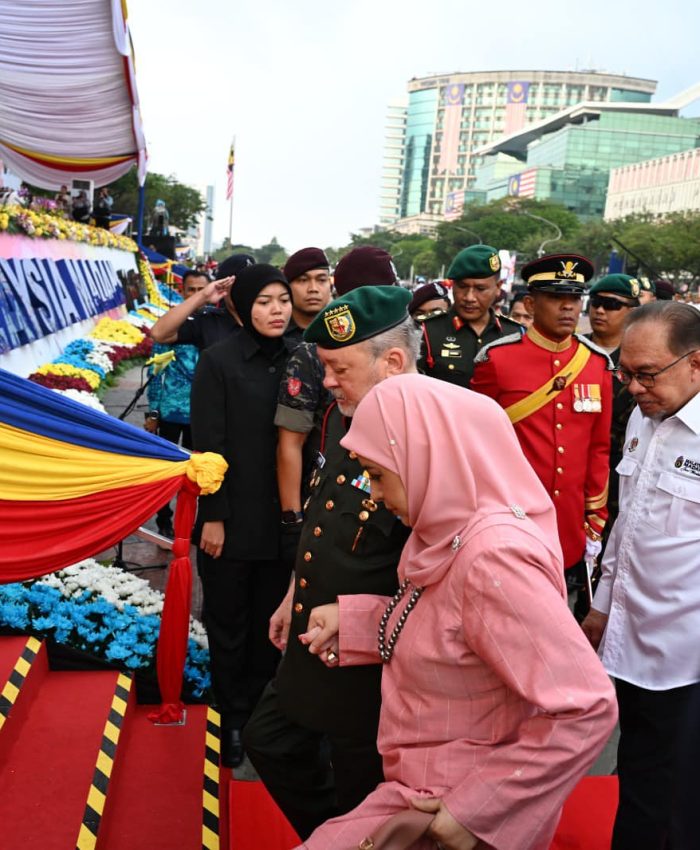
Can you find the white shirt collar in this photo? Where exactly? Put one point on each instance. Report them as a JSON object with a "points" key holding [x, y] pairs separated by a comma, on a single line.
{"points": [[689, 414]]}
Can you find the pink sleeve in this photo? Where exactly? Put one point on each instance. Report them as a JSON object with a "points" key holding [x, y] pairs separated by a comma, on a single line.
{"points": [[515, 620], [359, 621]]}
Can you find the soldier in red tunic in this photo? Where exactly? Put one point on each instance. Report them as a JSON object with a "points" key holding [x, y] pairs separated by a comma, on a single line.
{"points": [[555, 386]]}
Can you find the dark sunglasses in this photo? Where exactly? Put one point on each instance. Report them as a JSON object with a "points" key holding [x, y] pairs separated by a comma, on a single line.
{"points": [[610, 303]]}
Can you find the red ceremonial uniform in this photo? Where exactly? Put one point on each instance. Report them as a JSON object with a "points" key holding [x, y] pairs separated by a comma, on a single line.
{"points": [[567, 440]]}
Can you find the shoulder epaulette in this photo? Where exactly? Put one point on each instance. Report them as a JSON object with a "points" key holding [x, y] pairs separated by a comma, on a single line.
{"points": [[483, 354], [596, 349]]}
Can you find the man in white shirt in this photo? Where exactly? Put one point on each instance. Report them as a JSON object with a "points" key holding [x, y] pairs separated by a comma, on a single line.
{"points": [[645, 618]]}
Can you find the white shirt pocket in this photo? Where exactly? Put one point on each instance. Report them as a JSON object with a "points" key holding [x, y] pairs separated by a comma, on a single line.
{"points": [[627, 470], [675, 506]]}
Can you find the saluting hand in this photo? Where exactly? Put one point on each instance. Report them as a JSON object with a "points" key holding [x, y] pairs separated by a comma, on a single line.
{"points": [[216, 290], [449, 834], [321, 636]]}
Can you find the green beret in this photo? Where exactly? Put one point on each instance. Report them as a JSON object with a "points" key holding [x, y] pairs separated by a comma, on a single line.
{"points": [[476, 262], [618, 284], [358, 315]]}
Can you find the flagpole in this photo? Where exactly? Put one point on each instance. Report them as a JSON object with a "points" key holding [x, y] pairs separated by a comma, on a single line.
{"points": [[230, 213]]}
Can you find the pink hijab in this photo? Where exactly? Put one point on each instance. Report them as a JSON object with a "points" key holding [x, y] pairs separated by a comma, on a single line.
{"points": [[460, 463]]}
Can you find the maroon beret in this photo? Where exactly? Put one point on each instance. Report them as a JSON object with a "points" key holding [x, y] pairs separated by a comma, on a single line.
{"points": [[365, 266], [304, 261], [426, 293]]}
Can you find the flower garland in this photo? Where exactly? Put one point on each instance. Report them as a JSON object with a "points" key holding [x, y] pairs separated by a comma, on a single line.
{"points": [[105, 611], [85, 363], [37, 224]]}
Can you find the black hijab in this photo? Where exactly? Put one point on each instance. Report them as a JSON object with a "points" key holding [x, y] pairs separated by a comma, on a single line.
{"points": [[248, 284]]}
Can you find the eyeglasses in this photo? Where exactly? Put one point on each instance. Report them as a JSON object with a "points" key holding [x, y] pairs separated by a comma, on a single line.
{"points": [[646, 379], [608, 303]]}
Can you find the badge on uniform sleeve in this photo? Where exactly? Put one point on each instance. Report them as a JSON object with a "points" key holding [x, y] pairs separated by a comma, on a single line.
{"points": [[587, 398], [293, 386]]}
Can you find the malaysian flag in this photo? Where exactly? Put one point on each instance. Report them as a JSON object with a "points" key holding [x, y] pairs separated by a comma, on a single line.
{"points": [[516, 107], [229, 174], [451, 120], [454, 205], [523, 185]]}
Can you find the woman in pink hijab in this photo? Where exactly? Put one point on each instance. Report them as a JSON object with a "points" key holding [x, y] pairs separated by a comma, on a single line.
{"points": [[493, 702]]}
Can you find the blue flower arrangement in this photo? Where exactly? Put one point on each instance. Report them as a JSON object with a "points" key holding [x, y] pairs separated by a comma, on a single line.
{"points": [[119, 633]]}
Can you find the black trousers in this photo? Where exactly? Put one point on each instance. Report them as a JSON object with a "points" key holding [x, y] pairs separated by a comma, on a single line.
{"points": [[239, 599], [651, 725], [311, 776], [172, 431]]}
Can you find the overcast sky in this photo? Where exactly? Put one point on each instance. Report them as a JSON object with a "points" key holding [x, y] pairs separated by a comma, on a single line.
{"points": [[304, 86]]}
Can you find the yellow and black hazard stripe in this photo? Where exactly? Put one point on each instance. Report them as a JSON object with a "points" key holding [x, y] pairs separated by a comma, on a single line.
{"points": [[210, 792], [87, 837], [13, 685]]}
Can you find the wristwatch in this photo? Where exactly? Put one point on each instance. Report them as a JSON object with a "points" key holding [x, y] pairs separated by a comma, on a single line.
{"points": [[292, 517], [152, 414]]}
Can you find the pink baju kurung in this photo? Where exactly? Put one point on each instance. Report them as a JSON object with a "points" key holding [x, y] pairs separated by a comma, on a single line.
{"points": [[493, 701]]}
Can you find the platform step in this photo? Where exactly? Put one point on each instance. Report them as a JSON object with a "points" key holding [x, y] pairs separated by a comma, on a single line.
{"points": [[49, 764], [22, 659], [166, 789]]}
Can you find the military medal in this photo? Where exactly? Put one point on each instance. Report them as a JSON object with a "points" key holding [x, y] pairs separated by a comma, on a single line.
{"points": [[362, 482], [587, 398]]}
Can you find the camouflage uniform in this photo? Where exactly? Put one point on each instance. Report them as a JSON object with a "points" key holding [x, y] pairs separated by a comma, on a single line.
{"points": [[302, 401]]}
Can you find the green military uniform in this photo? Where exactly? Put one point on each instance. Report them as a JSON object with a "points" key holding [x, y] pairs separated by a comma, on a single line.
{"points": [[449, 342], [450, 345], [313, 736], [363, 542]]}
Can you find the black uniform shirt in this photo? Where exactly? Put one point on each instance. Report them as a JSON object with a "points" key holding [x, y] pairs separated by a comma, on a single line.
{"points": [[450, 345], [207, 327], [234, 395], [348, 545]]}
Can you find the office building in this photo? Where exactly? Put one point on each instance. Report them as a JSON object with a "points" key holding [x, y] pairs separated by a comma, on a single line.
{"points": [[432, 137]]}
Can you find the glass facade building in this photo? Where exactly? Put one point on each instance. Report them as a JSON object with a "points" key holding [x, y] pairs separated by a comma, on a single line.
{"points": [[571, 165], [448, 117]]}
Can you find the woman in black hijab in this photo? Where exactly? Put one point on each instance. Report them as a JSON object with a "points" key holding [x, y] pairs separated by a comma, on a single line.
{"points": [[234, 397]]}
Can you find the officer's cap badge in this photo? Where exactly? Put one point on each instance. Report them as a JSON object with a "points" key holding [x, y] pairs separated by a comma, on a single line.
{"points": [[568, 269], [634, 287], [340, 324], [495, 262]]}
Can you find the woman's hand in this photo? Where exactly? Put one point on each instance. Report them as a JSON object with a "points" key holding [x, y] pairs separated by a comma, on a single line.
{"points": [[444, 828], [212, 539], [215, 291], [321, 635]]}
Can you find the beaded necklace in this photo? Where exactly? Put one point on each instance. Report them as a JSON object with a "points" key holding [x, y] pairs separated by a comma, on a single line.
{"points": [[386, 648]]}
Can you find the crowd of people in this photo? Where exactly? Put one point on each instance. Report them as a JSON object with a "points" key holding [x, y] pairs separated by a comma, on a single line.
{"points": [[399, 570]]}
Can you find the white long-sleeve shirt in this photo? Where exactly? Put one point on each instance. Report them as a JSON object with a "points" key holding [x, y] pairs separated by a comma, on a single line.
{"points": [[650, 587]]}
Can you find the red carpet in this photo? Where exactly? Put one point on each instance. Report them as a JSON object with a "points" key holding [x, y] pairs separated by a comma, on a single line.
{"points": [[586, 823], [587, 820], [255, 822]]}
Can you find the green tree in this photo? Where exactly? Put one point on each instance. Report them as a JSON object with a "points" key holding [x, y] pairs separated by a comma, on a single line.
{"points": [[272, 253], [184, 203], [515, 225]]}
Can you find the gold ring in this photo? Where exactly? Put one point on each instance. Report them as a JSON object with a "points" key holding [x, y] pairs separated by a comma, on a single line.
{"points": [[331, 657]]}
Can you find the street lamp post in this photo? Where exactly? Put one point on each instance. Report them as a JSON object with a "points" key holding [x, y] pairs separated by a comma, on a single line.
{"points": [[540, 250], [470, 232]]}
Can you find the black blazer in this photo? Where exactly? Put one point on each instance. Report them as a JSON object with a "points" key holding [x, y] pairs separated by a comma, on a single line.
{"points": [[234, 397]]}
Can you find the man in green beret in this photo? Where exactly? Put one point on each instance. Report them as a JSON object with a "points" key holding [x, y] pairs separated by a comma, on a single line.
{"points": [[647, 291], [612, 299], [452, 340], [312, 737]]}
